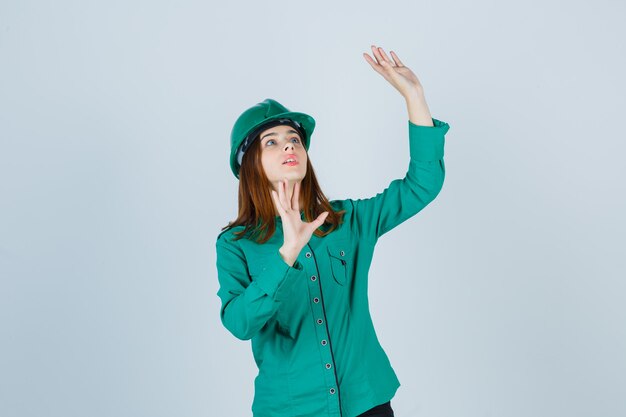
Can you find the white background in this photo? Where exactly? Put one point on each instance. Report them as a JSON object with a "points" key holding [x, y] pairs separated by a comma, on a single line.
{"points": [[115, 122]]}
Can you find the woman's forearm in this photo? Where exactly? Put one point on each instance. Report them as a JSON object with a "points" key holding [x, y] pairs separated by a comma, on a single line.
{"points": [[419, 113]]}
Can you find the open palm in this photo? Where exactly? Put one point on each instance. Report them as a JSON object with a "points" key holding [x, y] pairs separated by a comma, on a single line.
{"points": [[297, 233], [394, 71]]}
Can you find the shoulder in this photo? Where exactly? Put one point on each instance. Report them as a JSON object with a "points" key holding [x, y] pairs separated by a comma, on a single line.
{"points": [[339, 205], [228, 235], [229, 250], [346, 205]]}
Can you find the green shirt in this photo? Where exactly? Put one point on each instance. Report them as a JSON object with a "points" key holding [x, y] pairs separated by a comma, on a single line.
{"points": [[309, 324]]}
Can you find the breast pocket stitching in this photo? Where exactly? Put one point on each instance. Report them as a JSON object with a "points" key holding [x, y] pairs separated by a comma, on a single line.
{"points": [[339, 258]]}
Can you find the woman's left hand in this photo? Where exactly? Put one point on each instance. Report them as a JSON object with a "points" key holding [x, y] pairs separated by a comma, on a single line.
{"points": [[401, 77]]}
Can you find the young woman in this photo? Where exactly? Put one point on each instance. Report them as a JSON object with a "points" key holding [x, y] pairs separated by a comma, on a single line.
{"points": [[293, 267]]}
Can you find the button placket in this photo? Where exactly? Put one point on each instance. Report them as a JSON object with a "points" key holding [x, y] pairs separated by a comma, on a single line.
{"points": [[321, 330]]}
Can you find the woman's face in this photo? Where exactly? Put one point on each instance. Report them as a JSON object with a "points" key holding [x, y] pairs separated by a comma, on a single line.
{"points": [[278, 144]]}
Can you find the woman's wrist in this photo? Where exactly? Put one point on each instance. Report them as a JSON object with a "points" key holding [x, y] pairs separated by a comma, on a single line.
{"points": [[289, 256], [419, 114]]}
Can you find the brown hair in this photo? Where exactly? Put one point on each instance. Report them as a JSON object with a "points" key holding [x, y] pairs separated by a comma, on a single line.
{"points": [[256, 206]]}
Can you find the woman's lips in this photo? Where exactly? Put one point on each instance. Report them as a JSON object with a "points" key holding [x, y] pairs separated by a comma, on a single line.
{"points": [[292, 163]]}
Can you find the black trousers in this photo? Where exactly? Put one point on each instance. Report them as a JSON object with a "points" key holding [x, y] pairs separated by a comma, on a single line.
{"points": [[383, 410]]}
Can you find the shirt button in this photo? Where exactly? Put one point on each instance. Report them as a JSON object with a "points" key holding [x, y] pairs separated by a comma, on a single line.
{"points": [[313, 277], [328, 365], [342, 253], [316, 300], [324, 342], [308, 254], [332, 390], [320, 321]]}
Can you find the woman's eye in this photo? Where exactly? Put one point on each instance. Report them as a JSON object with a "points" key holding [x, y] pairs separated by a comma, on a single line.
{"points": [[270, 141]]}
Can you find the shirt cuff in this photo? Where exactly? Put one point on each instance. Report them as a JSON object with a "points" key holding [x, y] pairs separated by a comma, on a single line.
{"points": [[426, 142], [277, 277]]}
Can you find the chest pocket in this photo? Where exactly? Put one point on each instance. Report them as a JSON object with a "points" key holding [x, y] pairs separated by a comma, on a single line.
{"points": [[339, 255]]}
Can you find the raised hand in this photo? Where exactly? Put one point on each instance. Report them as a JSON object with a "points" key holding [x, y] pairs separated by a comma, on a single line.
{"points": [[400, 76], [297, 233]]}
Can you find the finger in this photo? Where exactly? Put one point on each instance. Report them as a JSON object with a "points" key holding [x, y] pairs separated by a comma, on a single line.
{"points": [[280, 209], [389, 70], [288, 205], [386, 65], [384, 56], [295, 198], [395, 58], [374, 65], [376, 54], [281, 195]]}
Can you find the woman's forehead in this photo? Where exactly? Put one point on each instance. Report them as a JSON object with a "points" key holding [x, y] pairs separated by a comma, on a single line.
{"points": [[286, 129]]}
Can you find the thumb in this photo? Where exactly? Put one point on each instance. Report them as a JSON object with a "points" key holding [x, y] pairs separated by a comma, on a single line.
{"points": [[320, 220]]}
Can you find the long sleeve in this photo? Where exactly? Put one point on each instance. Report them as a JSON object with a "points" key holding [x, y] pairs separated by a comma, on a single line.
{"points": [[405, 197], [248, 302]]}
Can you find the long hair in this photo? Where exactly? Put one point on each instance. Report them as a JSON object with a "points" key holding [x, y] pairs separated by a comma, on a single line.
{"points": [[256, 206]]}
